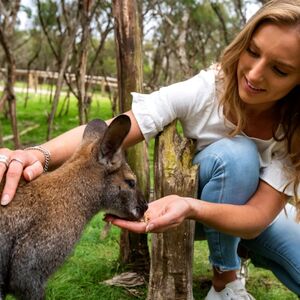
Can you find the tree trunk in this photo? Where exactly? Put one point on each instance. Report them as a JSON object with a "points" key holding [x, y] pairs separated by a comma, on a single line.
{"points": [[66, 42], [7, 27], [84, 17], [172, 251], [60, 81], [181, 44], [133, 247]]}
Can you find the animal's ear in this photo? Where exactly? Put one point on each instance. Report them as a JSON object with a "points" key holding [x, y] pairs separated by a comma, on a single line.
{"points": [[94, 130], [114, 136]]}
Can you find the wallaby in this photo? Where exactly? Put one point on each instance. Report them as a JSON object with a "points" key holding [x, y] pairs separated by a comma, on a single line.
{"points": [[40, 227]]}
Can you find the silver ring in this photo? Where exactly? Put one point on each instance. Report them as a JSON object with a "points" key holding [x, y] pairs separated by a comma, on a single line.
{"points": [[18, 160], [4, 159]]}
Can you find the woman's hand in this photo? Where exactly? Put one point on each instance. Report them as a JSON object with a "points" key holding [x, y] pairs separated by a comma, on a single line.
{"points": [[14, 164], [162, 214]]}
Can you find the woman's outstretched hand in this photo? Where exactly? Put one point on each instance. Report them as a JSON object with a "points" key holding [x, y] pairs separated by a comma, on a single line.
{"points": [[162, 214], [14, 165]]}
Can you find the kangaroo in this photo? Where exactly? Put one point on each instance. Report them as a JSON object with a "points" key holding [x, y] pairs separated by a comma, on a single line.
{"points": [[40, 227]]}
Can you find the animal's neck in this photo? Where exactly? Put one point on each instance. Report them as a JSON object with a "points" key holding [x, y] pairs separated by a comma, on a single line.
{"points": [[75, 190]]}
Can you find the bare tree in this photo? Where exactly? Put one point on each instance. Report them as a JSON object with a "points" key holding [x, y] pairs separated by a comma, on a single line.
{"points": [[104, 26], [67, 39], [85, 17], [8, 17], [239, 8], [88, 12], [217, 9]]}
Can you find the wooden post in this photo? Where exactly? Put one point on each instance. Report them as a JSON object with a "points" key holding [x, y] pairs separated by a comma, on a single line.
{"points": [[33, 80], [133, 247], [172, 251]]}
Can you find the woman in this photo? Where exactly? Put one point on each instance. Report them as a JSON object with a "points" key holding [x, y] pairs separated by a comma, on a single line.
{"points": [[245, 116]]}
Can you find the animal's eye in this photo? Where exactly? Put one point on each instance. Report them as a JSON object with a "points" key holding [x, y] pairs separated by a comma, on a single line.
{"points": [[130, 183]]}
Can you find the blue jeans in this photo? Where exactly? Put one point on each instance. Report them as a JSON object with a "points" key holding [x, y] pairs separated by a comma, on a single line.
{"points": [[229, 173]]}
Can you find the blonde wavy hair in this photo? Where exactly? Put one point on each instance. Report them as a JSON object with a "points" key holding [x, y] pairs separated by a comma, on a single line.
{"points": [[280, 12]]}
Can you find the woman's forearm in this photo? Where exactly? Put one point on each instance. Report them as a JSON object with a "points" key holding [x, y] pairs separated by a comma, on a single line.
{"points": [[63, 146], [245, 221]]}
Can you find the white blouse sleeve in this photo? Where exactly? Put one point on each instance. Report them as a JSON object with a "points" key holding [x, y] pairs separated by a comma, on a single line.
{"points": [[178, 101], [276, 175]]}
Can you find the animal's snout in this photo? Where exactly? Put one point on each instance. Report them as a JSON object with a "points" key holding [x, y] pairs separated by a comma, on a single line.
{"points": [[142, 204], [139, 211], [142, 208]]}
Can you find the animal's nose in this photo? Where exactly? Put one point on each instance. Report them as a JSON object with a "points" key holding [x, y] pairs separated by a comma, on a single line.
{"points": [[145, 206], [142, 207]]}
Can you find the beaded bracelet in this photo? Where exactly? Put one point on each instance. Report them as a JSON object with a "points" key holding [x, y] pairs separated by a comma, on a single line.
{"points": [[46, 153]]}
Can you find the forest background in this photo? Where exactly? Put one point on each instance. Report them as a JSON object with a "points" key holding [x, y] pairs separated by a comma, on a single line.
{"points": [[179, 38]]}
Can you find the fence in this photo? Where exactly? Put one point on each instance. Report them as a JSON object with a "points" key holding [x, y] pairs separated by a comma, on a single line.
{"points": [[35, 77]]}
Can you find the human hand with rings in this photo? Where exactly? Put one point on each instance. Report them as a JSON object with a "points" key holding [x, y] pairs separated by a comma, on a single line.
{"points": [[14, 165]]}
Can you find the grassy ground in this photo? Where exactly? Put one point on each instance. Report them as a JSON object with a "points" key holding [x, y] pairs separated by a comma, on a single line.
{"points": [[36, 110], [94, 259]]}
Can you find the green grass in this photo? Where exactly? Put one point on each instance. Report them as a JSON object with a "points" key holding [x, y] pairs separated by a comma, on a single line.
{"points": [[95, 260], [37, 110]]}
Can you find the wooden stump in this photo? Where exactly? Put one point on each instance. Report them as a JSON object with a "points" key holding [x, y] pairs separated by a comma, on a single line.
{"points": [[172, 251], [33, 80]]}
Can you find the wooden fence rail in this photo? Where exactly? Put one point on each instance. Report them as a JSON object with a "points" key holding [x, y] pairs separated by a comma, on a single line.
{"points": [[34, 77]]}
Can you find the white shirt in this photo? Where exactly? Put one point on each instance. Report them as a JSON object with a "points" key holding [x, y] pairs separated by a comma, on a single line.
{"points": [[195, 104]]}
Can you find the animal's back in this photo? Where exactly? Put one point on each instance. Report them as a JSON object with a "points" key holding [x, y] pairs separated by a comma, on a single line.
{"points": [[19, 214], [41, 225], [37, 232], [15, 219]]}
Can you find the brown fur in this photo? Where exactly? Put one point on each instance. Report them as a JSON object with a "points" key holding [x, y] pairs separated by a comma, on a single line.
{"points": [[40, 227]]}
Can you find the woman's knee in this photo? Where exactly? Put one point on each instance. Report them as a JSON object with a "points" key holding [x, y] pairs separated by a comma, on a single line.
{"points": [[239, 152], [233, 163]]}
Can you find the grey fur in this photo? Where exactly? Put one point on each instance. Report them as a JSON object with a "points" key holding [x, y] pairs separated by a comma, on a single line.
{"points": [[40, 227]]}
